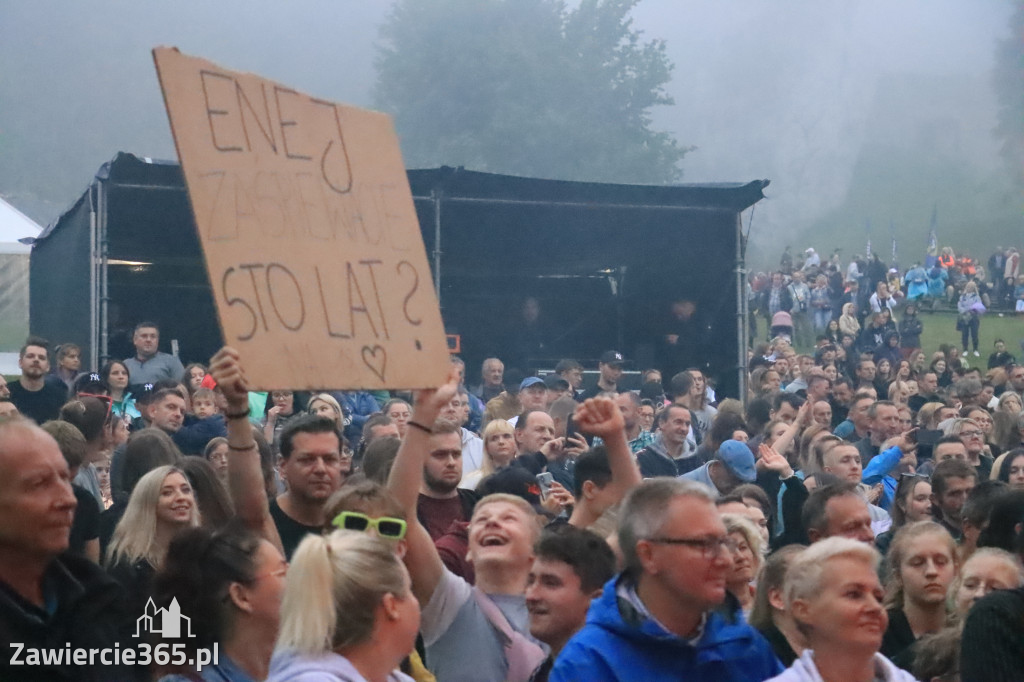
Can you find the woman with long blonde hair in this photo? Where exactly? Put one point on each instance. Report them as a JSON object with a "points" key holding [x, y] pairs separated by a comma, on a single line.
{"points": [[160, 506]]}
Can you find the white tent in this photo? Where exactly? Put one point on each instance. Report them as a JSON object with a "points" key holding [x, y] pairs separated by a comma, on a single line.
{"points": [[14, 225]]}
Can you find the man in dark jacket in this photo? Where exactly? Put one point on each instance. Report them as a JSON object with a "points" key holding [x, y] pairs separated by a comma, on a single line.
{"points": [[50, 601]]}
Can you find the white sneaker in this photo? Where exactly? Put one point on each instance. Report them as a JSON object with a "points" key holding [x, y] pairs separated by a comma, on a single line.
{"points": [[977, 354]]}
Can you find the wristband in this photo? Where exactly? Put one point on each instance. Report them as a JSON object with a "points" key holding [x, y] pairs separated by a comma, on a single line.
{"points": [[421, 427], [238, 415], [242, 449]]}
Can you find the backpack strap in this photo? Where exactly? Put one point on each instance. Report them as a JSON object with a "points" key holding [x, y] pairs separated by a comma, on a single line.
{"points": [[522, 655]]}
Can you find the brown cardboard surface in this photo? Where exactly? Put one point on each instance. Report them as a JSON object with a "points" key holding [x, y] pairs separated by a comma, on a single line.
{"points": [[308, 229]]}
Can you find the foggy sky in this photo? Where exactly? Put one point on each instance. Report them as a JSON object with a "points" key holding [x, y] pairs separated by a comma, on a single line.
{"points": [[784, 90], [790, 90]]}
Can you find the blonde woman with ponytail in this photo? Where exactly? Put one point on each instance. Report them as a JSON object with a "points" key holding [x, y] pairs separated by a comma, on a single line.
{"points": [[348, 613]]}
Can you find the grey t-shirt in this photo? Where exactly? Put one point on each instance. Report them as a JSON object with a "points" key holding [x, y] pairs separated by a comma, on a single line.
{"points": [[160, 366], [461, 643]]}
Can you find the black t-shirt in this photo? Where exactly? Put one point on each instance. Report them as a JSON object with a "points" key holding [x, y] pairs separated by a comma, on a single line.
{"points": [[42, 405], [290, 530], [780, 645], [898, 636], [86, 524]]}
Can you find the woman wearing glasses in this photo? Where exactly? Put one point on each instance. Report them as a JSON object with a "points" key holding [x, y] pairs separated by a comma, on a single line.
{"points": [[988, 569], [983, 418], [972, 436], [348, 612], [835, 598], [230, 584]]}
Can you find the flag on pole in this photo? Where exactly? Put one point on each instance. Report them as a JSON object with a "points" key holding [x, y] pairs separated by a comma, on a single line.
{"points": [[892, 233], [867, 228], [932, 253], [933, 239]]}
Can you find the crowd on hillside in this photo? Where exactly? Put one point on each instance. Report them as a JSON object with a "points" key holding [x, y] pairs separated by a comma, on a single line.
{"points": [[857, 517], [807, 296]]}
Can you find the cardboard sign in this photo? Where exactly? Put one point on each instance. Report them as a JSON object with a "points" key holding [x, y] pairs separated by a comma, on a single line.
{"points": [[308, 228]]}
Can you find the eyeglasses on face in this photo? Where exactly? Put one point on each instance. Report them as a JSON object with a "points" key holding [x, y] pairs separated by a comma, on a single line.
{"points": [[709, 547], [387, 526], [973, 433]]}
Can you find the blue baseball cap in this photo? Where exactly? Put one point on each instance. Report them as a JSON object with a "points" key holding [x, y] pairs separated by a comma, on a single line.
{"points": [[738, 458], [530, 381]]}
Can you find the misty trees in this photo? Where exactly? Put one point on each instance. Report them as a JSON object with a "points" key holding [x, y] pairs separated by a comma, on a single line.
{"points": [[1009, 82], [527, 87]]}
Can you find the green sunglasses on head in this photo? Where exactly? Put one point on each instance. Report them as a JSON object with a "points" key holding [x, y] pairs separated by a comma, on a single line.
{"points": [[387, 526]]}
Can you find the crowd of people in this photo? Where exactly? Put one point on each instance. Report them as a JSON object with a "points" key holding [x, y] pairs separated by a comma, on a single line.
{"points": [[858, 517], [808, 297]]}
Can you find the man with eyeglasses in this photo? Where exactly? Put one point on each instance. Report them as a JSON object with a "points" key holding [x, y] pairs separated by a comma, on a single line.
{"points": [[668, 614]]}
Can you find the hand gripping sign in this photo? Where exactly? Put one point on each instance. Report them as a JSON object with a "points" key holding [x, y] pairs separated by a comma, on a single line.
{"points": [[309, 233]]}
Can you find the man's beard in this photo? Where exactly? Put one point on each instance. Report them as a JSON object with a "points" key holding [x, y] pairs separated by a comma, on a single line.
{"points": [[439, 486]]}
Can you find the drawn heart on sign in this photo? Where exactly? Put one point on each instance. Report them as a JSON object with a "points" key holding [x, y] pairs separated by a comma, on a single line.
{"points": [[376, 358]]}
